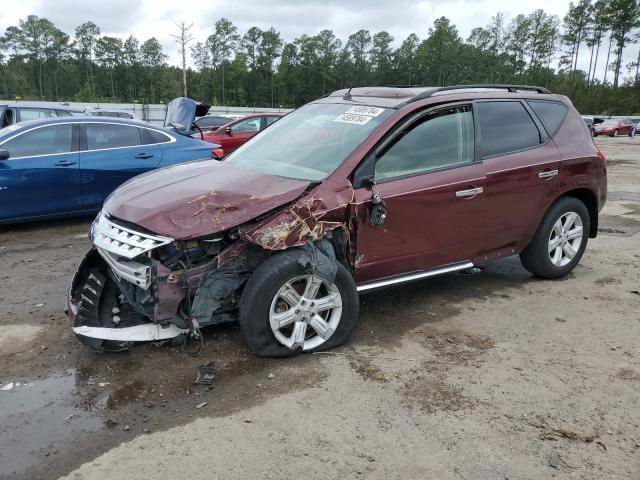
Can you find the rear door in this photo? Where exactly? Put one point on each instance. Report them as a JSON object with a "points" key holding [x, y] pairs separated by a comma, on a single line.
{"points": [[522, 165], [111, 153], [41, 177], [434, 193]]}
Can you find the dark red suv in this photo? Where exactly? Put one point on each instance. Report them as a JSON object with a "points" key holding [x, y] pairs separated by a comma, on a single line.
{"points": [[359, 190]]}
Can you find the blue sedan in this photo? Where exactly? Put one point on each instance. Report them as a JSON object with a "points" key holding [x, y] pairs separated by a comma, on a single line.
{"points": [[62, 167]]}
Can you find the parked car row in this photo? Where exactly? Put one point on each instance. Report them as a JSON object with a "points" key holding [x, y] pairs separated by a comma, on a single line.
{"points": [[614, 127]]}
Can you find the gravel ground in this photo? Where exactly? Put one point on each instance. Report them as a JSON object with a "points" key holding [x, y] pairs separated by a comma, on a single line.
{"points": [[493, 375]]}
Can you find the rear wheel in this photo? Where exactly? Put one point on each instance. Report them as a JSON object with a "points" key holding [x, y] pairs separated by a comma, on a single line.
{"points": [[285, 310], [560, 240]]}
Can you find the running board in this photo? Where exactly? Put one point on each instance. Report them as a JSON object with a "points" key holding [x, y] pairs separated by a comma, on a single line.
{"points": [[410, 277]]}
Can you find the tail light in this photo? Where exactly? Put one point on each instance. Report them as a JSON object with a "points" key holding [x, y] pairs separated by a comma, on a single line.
{"points": [[601, 156], [218, 152]]}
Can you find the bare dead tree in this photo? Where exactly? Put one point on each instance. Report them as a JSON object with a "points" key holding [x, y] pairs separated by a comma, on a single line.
{"points": [[183, 38]]}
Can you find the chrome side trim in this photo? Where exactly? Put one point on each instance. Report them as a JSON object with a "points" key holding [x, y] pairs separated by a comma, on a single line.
{"points": [[410, 277], [76, 122], [139, 333], [135, 272]]}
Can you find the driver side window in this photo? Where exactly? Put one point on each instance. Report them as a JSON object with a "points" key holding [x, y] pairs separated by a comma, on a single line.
{"points": [[442, 139], [248, 126]]}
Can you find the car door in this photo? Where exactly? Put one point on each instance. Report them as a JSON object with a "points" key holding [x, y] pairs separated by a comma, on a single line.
{"points": [[433, 189], [239, 133], [110, 154], [41, 176], [522, 166]]}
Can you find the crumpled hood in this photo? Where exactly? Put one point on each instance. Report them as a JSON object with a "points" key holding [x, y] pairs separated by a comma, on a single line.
{"points": [[200, 198]]}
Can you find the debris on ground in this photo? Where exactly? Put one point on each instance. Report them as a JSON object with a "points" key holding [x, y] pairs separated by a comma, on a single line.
{"points": [[471, 271], [200, 405], [610, 230], [126, 428], [561, 433], [69, 417], [205, 374], [554, 459], [271, 376], [7, 388]]}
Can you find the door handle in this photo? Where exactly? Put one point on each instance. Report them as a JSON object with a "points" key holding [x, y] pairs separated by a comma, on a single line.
{"points": [[144, 155], [470, 192], [64, 163], [548, 173]]}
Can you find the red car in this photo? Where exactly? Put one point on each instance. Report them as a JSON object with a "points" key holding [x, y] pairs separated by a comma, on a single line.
{"points": [[614, 127], [234, 134], [356, 191]]}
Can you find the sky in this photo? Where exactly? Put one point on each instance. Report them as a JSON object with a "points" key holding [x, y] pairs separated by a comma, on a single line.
{"points": [[292, 18]]}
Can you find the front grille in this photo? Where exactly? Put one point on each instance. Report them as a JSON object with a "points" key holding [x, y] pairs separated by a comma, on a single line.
{"points": [[123, 241]]}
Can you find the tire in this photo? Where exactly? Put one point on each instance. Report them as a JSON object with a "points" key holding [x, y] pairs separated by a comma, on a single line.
{"points": [[261, 296], [537, 259], [615, 133]]}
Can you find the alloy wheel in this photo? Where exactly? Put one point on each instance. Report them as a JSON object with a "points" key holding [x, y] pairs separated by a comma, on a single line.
{"points": [[305, 312], [565, 239]]}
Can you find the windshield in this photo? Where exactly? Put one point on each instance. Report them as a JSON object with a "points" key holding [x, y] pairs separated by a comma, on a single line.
{"points": [[311, 142]]}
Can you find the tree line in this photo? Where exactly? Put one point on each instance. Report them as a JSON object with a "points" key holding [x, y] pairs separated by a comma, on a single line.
{"points": [[260, 68]]}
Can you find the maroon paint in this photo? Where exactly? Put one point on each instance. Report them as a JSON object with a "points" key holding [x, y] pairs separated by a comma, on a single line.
{"points": [[200, 198]]}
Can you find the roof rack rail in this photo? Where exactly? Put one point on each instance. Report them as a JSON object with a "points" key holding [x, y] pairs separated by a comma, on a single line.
{"points": [[510, 88]]}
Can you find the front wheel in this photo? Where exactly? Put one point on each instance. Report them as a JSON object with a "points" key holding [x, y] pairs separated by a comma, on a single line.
{"points": [[560, 240], [615, 133], [285, 310]]}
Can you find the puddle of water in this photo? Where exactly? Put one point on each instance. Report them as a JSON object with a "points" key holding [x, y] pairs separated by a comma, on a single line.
{"points": [[39, 416]]}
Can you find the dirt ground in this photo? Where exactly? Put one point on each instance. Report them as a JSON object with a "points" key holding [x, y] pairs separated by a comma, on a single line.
{"points": [[494, 375]]}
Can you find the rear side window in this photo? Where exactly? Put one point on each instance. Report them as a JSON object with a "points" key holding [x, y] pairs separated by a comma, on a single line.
{"points": [[63, 113], [150, 137], [27, 114], [104, 135], [42, 141], [551, 114], [505, 127]]}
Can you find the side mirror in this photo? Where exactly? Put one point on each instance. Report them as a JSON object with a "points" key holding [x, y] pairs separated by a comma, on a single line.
{"points": [[4, 154], [227, 130]]}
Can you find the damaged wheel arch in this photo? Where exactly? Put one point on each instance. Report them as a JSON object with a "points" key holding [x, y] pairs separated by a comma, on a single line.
{"points": [[301, 299]]}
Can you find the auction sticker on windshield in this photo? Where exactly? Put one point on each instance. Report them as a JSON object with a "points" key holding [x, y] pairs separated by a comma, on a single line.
{"points": [[353, 118], [362, 110]]}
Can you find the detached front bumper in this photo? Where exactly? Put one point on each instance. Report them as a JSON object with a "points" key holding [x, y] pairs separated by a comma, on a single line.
{"points": [[119, 294]]}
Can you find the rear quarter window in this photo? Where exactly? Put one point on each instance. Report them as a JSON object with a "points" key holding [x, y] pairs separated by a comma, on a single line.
{"points": [[151, 137], [551, 114], [505, 127]]}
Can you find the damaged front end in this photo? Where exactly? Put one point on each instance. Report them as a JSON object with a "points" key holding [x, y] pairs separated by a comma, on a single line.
{"points": [[134, 285]]}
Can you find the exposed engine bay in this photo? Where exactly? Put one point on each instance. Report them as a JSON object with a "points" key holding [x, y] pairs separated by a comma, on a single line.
{"points": [[137, 286]]}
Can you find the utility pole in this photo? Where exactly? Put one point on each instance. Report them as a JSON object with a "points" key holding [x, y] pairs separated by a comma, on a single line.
{"points": [[183, 38]]}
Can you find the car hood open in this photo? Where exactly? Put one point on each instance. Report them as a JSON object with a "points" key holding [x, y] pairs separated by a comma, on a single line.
{"points": [[200, 198]]}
